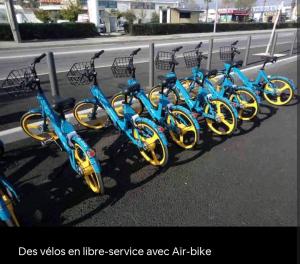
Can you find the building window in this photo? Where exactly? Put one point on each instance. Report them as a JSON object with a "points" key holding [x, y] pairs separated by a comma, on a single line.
{"points": [[185, 14], [108, 4], [142, 5]]}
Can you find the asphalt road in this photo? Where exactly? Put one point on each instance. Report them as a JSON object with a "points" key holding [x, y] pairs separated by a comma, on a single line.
{"points": [[66, 56], [249, 179]]}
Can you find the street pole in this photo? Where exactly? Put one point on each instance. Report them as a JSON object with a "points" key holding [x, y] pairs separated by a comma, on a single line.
{"points": [[274, 28], [151, 64], [11, 14], [216, 17], [52, 74]]}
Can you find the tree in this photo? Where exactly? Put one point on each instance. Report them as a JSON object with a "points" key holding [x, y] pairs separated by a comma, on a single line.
{"points": [[43, 15], [142, 15], [72, 11], [207, 3], [129, 16], [154, 18]]}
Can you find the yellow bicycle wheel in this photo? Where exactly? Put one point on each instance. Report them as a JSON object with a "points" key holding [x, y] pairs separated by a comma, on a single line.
{"points": [[248, 104], [154, 95], [117, 104], [32, 124], [155, 152], [187, 135], [283, 92], [192, 92], [83, 113], [13, 221], [93, 179], [225, 122]]}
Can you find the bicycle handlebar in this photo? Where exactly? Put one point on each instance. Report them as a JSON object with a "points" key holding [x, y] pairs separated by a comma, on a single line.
{"points": [[135, 52], [98, 54], [199, 45], [177, 49], [234, 43], [39, 58]]}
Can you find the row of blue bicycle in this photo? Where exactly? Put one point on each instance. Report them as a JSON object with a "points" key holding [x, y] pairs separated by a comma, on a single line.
{"points": [[173, 109]]}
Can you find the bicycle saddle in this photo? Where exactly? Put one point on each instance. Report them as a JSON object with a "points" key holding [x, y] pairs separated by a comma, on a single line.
{"points": [[129, 89], [269, 58], [236, 64], [63, 104], [208, 74], [166, 80]]}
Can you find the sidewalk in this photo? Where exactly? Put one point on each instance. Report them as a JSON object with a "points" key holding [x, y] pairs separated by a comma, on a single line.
{"points": [[11, 45]]}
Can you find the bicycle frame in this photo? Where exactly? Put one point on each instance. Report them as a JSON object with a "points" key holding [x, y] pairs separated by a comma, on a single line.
{"points": [[125, 124], [4, 212], [63, 129]]}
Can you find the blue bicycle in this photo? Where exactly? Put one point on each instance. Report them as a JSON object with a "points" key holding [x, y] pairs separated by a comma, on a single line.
{"points": [[242, 98], [48, 124], [218, 112], [277, 90], [182, 126], [95, 112], [8, 198]]}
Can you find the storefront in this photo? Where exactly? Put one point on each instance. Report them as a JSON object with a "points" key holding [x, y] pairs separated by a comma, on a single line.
{"points": [[233, 15]]}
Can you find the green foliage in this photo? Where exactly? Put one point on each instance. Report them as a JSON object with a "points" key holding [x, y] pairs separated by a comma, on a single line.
{"points": [[72, 11], [129, 16], [43, 15], [154, 18], [32, 31], [165, 29]]}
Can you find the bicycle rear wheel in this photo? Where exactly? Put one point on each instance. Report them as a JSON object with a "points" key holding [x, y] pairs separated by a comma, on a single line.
{"points": [[154, 96], [34, 126], [90, 115], [117, 104], [282, 94], [187, 135]]}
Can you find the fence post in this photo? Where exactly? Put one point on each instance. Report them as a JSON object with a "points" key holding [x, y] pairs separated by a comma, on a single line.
{"points": [[293, 43], [210, 50], [11, 14], [52, 74], [247, 51], [274, 44], [151, 64]]}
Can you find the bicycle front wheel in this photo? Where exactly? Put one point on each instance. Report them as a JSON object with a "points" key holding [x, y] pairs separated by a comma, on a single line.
{"points": [[224, 121], [36, 127], [185, 133], [281, 94], [90, 115], [92, 178], [246, 103], [154, 151]]}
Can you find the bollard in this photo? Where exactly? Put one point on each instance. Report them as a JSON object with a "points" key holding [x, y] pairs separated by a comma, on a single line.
{"points": [[52, 74], [210, 50], [274, 44], [247, 51], [293, 43], [151, 64]]}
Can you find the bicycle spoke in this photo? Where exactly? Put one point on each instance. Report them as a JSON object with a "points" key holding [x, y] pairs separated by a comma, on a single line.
{"points": [[229, 125], [33, 126]]}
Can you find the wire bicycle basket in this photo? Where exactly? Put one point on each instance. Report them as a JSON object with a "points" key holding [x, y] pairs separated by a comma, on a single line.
{"points": [[79, 73], [121, 67], [192, 58], [226, 53], [18, 83], [164, 60]]}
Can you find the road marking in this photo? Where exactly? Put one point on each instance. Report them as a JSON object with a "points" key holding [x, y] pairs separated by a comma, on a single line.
{"points": [[8, 137]]}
